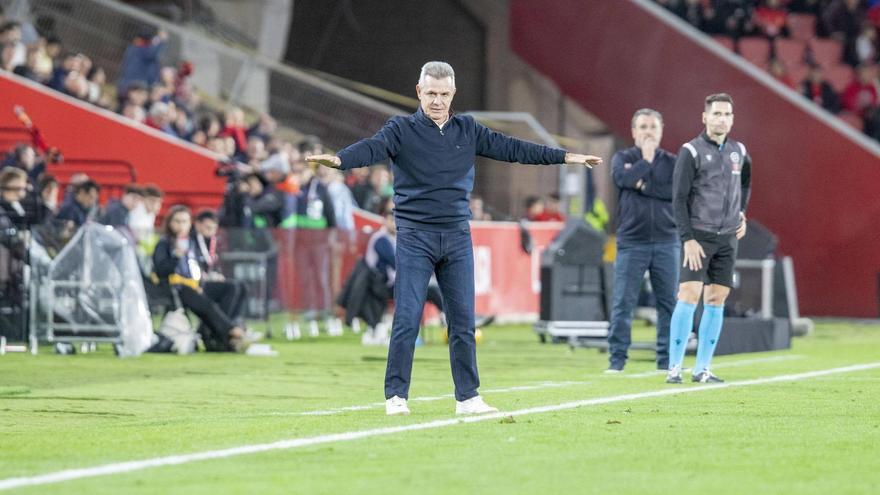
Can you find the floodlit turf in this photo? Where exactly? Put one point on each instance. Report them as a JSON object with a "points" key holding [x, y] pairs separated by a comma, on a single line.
{"points": [[818, 435]]}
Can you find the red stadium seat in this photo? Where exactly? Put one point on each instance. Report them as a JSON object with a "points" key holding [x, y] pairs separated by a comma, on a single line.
{"points": [[802, 26], [853, 120], [797, 73], [839, 76], [755, 49], [790, 51], [725, 41], [826, 52]]}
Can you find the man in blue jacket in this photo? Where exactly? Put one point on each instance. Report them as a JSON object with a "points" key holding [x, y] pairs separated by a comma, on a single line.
{"points": [[647, 239], [433, 152]]}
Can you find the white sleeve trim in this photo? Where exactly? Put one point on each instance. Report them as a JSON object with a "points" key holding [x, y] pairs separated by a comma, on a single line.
{"points": [[742, 148], [691, 148]]}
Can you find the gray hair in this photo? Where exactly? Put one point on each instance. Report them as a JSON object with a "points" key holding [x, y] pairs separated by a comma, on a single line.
{"points": [[649, 112], [437, 70]]}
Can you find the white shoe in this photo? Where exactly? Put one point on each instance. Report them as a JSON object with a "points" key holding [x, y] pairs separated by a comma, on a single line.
{"points": [[396, 406], [474, 405]]}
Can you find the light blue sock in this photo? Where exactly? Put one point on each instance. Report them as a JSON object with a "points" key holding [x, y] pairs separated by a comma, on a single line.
{"points": [[679, 331], [710, 330]]}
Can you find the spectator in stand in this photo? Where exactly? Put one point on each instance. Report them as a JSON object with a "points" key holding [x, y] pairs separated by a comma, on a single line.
{"points": [[770, 19], [210, 125], [161, 117], [13, 190], [183, 91], [534, 208], [84, 205], [174, 262], [76, 85], [861, 94], [29, 69], [6, 54], [817, 89], [137, 95], [158, 93], [371, 196], [75, 180], [25, 157], [234, 127], [117, 211], [141, 59], [71, 62], [183, 125], [254, 153], [46, 50], [97, 78], [778, 71], [48, 189], [865, 47], [135, 113], [10, 36], [264, 128], [843, 21], [551, 212]]}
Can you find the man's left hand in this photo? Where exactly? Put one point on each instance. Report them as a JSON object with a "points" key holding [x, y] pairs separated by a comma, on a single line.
{"points": [[588, 160]]}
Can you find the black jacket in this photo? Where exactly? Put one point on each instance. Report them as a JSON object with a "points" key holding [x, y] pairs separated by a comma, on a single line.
{"points": [[645, 212], [711, 186]]}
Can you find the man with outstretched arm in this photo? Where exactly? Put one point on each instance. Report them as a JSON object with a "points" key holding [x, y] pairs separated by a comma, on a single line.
{"points": [[432, 153]]}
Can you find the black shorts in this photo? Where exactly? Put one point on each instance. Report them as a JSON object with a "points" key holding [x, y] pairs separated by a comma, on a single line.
{"points": [[718, 264]]}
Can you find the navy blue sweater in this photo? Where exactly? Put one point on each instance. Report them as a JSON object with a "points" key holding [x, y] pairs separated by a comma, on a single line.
{"points": [[434, 168], [645, 214]]}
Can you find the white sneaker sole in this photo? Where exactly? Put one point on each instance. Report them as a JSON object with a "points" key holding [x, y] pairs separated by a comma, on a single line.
{"points": [[474, 413]]}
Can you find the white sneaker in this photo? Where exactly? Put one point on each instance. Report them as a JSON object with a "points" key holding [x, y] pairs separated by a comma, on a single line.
{"points": [[474, 405], [396, 406]]}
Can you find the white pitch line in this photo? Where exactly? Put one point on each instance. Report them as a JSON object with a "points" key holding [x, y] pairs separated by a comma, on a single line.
{"points": [[519, 388], [127, 467], [730, 364], [375, 405]]}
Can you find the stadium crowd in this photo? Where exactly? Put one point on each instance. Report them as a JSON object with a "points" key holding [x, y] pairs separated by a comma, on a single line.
{"points": [[269, 184], [827, 50]]}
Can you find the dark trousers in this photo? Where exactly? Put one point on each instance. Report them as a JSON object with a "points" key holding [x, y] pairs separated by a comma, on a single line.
{"points": [[229, 295], [661, 260], [449, 255], [215, 325]]}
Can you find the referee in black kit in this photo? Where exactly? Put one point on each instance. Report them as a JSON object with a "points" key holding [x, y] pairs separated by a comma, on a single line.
{"points": [[710, 192]]}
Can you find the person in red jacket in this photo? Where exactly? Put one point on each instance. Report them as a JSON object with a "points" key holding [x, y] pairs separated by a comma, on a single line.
{"points": [[861, 94], [770, 19]]}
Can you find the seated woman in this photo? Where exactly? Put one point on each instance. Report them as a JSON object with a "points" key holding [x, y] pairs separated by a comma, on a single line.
{"points": [[175, 263]]}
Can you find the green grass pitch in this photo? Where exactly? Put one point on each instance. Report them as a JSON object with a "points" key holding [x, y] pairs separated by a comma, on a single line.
{"points": [[818, 435]]}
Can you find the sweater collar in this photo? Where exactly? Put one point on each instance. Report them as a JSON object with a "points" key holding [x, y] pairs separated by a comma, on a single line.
{"points": [[423, 118]]}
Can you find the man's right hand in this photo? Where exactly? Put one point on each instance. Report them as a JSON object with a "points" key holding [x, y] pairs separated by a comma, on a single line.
{"points": [[693, 255], [331, 161], [649, 147]]}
